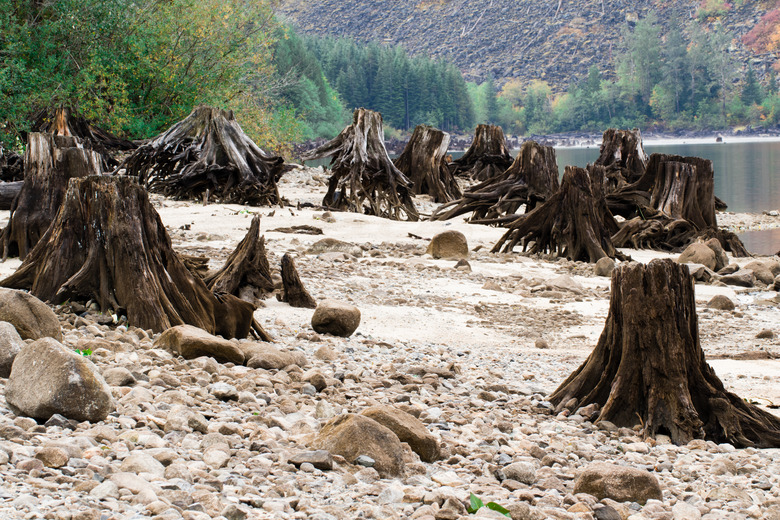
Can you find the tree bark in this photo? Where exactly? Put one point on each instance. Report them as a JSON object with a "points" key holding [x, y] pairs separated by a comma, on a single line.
{"points": [[531, 179], [487, 156], [8, 193], [208, 152], [364, 178], [649, 368], [573, 223], [108, 244], [294, 292], [424, 162], [50, 162], [11, 166], [623, 156]]}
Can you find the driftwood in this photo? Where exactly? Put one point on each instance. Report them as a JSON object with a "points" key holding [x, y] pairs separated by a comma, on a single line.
{"points": [[294, 292], [246, 272], [623, 156], [424, 162], [364, 178], [50, 162], [531, 179], [8, 193], [208, 152], [11, 166], [648, 367], [574, 223], [108, 244], [487, 156]]}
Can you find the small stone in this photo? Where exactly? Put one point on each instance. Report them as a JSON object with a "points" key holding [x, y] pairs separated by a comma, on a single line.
{"points": [[119, 376], [619, 483], [139, 462], [541, 344], [326, 353], [52, 457], [365, 460], [604, 266], [463, 265], [320, 459], [721, 302], [524, 472], [766, 334], [11, 344], [223, 391]]}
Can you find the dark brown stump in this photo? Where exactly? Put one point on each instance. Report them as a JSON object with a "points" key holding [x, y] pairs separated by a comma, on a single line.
{"points": [[649, 368], [573, 223], [294, 292], [623, 156], [364, 178], [8, 193], [50, 162], [246, 272], [11, 166], [487, 156], [208, 151], [108, 244], [424, 162], [531, 179]]}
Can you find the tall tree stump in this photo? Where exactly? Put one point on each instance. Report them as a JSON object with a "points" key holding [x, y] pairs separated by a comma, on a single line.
{"points": [[208, 152], [424, 162], [364, 178], [487, 156], [108, 244], [573, 223], [50, 162], [623, 156], [649, 368], [294, 292], [531, 179]]}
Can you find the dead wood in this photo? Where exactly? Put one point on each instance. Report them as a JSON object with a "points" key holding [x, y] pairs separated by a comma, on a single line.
{"points": [[108, 244], [364, 178], [531, 179], [8, 193], [424, 162], [50, 162], [487, 156], [303, 229], [574, 223], [649, 368], [11, 166], [208, 152], [196, 264], [294, 292], [623, 156]]}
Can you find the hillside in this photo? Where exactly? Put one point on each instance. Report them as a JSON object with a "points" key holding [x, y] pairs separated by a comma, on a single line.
{"points": [[534, 39]]}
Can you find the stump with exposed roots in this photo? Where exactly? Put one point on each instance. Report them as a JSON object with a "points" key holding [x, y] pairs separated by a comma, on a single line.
{"points": [[208, 153], [530, 180], [108, 244], [364, 178], [648, 367], [623, 156], [424, 162], [487, 156]]}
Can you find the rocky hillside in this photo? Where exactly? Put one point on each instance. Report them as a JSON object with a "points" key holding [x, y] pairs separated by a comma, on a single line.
{"points": [[534, 39]]}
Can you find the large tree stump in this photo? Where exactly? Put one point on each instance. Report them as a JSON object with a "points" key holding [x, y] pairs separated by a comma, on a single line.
{"points": [[424, 162], [294, 292], [531, 179], [108, 244], [364, 178], [50, 162], [246, 272], [574, 223], [208, 152], [649, 368], [11, 166], [623, 156], [487, 156]]}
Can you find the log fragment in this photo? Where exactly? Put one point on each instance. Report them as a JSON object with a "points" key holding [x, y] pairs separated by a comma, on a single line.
{"points": [[364, 178], [108, 244], [8, 193], [50, 162], [424, 162], [208, 151], [487, 156], [294, 292], [649, 368]]}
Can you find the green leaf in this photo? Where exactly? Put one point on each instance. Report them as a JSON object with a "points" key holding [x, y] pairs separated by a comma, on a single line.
{"points": [[476, 503], [501, 509]]}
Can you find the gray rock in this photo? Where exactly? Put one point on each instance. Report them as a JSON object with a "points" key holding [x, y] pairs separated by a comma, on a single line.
{"points": [[32, 318], [729, 269], [604, 266], [320, 459], [268, 357], [701, 273], [11, 344], [331, 245], [762, 270], [47, 378], [619, 483], [698, 253], [721, 302], [742, 278], [119, 376], [721, 259], [336, 318], [140, 462], [450, 245], [409, 429], [766, 334], [524, 472], [191, 342], [224, 391]]}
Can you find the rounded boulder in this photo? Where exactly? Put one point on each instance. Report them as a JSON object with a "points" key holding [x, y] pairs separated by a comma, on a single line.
{"points": [[32, 318], [336, 318], [449, 245]]}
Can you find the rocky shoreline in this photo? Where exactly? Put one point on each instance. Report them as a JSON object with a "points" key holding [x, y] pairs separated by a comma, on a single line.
{"points": [[469, 351]]}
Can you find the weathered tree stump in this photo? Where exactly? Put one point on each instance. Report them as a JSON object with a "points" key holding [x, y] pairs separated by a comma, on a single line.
{"points": [[8, 193], [11, 166], [487, 156], [623, 156], [246, 272], [294, 292], [649, 368], [50, 162], [208, 151], [108, 244], [424, 162], [573, 223], [531, 179], [364, 178]]}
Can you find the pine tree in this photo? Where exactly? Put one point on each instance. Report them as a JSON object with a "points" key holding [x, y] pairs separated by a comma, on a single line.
{"points": [[751, 90]]}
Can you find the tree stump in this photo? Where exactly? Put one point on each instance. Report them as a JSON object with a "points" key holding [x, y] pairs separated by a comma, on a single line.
{"points": [[573, 223], [424, 162], [50, 162], [11, 166], [108, 244], [294, 292], [246, 272], [649, 368], [364, 178], [624, 157], [531, 179], [8, 193], [487, 156], [208, 151]]}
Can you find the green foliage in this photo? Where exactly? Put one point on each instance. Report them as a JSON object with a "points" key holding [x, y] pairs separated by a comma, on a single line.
{"points": [[85, 352], [475, 504]]}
